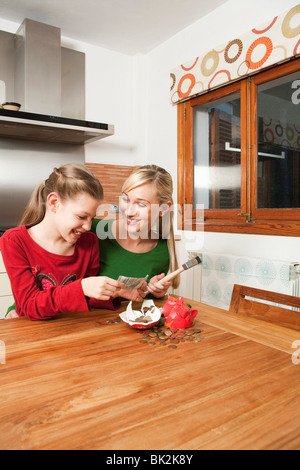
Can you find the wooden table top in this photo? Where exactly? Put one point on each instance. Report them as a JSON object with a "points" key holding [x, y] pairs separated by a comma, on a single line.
{"points": [[82, 382]]}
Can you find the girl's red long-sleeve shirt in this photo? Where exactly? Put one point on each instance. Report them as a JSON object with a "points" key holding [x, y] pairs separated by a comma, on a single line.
{"points": [[45, 284]]}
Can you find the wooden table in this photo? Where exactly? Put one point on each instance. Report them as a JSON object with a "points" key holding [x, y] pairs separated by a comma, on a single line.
{"points": [[79, 382]]}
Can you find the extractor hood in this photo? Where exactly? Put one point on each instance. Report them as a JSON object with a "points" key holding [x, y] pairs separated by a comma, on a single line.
{"points": [[44, 128], [49, 82]]}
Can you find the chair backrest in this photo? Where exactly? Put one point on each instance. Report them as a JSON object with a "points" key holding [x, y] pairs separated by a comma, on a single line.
{"points": [[271, 313]]}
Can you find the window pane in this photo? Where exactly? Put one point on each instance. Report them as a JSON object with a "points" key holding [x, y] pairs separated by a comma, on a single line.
{"points": [[217, 154], [278, 169]]}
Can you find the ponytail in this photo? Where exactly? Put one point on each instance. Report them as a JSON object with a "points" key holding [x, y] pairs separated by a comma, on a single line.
{"points": [[36, 208]]}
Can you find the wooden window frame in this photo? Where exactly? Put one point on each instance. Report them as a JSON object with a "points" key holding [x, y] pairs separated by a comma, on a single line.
{"points": [[248, 219]]}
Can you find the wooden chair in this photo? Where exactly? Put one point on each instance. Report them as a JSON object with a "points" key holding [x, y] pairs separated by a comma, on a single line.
{"points": [[271, 313]]}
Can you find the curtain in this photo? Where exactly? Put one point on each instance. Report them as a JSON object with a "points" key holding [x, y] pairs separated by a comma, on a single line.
{"points": [[274, 42]]}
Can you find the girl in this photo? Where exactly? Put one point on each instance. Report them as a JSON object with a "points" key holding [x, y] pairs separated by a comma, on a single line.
{"points": [[52, 259], [141, 242]]}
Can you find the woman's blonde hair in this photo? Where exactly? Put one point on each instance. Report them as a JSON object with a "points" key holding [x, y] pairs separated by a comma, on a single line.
{"points": [[67, 181], [164, 186]]}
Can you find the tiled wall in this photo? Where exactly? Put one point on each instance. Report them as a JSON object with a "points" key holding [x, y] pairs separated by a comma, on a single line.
{"points": [[221, 272], [112, 178]]}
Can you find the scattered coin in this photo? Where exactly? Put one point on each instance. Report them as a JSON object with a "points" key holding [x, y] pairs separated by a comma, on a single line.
{"points": [[168, 332], [153, 334]]}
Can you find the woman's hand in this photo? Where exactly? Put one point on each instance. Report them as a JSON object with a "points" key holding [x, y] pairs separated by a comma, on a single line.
{"points": [[101, 287], [11, 314], [136, 295], [158, 289]]}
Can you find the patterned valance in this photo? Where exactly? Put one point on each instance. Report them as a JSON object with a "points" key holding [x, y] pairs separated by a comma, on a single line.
{"points": [[271, 43]]}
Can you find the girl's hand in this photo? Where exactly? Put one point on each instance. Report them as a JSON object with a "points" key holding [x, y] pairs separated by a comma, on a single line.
{"points": [[158, 289], [101, 287], [136, 295]]}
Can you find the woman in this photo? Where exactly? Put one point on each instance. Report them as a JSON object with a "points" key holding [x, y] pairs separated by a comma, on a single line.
{"points": [[141, 241]]}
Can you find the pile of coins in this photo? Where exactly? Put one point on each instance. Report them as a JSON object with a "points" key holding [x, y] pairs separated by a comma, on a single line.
{"points": [[170, 337], [160, 335], [145, 318]]}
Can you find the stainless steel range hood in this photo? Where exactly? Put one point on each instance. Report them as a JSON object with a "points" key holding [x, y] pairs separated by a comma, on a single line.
{"points": [[44, 128], [49, 82]]}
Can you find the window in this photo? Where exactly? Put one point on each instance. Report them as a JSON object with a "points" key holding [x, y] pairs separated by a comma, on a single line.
{"points": [[239, 154]]}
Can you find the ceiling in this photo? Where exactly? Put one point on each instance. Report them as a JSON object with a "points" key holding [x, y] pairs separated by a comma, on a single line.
{"points": [[126, 26]]}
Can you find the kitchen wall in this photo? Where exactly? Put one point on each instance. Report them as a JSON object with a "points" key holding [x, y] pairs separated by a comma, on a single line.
{"points": [[114, 89], [133, 94]]}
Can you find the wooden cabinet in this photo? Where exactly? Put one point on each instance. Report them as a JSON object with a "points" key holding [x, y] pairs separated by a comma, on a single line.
{"points": [[6, 297]]}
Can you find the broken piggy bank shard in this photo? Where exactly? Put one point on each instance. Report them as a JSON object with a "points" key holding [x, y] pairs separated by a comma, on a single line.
{"points": [[178, 314], [147, 317]]}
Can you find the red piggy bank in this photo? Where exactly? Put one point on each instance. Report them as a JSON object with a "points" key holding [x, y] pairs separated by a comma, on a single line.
{"points": [[178, 314]]}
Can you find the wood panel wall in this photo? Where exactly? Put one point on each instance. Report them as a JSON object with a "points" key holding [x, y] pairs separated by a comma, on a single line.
{"points": [[112, 178]]}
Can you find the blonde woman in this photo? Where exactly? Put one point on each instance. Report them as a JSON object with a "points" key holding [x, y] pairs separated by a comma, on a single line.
{"points": [[52, 258], [141, 242]]}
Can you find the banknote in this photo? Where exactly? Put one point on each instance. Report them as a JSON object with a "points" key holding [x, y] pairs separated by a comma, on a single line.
{"points": [[132, 282]]}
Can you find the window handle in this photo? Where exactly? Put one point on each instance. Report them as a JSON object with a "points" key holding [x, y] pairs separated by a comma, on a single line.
{"points": [[231, 149], [262, 154]]}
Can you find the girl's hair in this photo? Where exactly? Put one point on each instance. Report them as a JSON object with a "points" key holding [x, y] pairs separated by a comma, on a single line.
{"points": [[67, 181], [164, 186]]}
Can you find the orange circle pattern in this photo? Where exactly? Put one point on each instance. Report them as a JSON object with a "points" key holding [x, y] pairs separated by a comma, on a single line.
{"points": [[269, 46], [237, 58], [188, 76]]}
